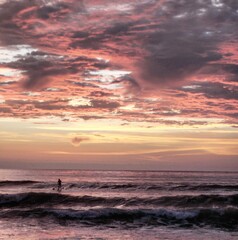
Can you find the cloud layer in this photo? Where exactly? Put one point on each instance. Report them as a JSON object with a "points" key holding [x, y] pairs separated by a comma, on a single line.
{"points": [[165, 61]]}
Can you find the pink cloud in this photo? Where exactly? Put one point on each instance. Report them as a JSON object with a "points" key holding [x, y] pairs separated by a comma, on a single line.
{"points": [[178, 62]]}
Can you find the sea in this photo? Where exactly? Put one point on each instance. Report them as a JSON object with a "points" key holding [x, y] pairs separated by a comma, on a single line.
{"points": [[118, 205]]}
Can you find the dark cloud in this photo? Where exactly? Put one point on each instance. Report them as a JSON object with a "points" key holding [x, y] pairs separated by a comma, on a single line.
{"points": [[119, 28], [104, 104], [89, 117], [129, 83], [80, 34], [30, 105], [82, 84], [38, 77], [24, 22], [91, 42], [10, 31], [39, 69], [186, 41], [215, 90], [5, 110], [99, 94], [179, 41], [5, 83], [233, 70], [230, 70], [182, 123], [61, 10], [76, 141]]}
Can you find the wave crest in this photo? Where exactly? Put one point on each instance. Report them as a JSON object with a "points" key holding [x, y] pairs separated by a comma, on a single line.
{"points": [[225, 218], [185, 201]]}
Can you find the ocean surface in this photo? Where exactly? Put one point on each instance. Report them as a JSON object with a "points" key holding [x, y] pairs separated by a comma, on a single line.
{"points": [[118, 205]]}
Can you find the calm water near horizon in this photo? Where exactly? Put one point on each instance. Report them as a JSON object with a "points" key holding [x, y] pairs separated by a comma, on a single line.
{"points": [[118, 205]]}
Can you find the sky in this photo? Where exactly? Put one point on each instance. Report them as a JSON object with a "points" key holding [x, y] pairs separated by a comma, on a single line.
{"points": [[106, 84]]}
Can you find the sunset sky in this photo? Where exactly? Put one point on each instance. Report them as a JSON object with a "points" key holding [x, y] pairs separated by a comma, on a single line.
{"points": [[109, 84]]}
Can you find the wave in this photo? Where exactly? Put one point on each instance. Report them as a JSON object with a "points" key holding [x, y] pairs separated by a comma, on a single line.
{"points": [[148, 186], [16, 183], [123, 186], [205, 187], [142, 186], [52, 199], [218, 218]]}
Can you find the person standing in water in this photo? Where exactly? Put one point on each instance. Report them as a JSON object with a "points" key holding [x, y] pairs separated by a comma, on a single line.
{"points": [[59, 185]]}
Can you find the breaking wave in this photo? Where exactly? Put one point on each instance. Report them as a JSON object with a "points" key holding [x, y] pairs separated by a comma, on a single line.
{"points": [[142, 186], [16, 183], [185, 201], [218, 218]]}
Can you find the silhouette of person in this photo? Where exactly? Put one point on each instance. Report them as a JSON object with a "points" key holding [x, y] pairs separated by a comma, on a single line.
{"points": [[59, 185]]}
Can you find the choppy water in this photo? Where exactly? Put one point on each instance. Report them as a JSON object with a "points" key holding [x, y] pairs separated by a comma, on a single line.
{"points": [[118, 205]]}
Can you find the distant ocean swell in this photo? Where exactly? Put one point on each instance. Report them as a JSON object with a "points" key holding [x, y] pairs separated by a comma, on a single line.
{"points": [[16, 183], [184, 201], [126, 186], [225, 218]]}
